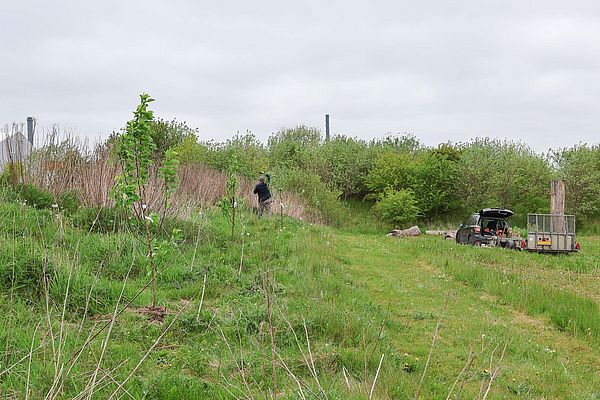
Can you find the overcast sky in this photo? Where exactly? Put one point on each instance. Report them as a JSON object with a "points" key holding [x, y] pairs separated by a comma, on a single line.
{"points": [[442, 70]]}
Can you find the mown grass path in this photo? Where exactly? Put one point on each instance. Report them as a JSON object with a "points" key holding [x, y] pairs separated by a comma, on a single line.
{"points": [[541, 361]]}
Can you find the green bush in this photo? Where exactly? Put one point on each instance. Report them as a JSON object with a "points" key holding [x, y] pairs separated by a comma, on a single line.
{"points": [[497, 173], [12, 174], [68, 202], [579, 166], [36, 197], [22, 267], [169, 134], [97, 219], [294, 148], [251, 155], [343, 163], [321, 199], [397, 207]]}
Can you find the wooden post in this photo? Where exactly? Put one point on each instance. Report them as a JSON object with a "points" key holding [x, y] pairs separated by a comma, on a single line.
{"points": [[327, 127], [557, 204]]}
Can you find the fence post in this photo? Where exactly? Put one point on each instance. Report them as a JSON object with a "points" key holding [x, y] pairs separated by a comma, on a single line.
{"points": [[557, 205]]}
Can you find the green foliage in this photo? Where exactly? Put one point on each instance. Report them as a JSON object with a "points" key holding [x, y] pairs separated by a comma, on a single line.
{"points": [[12, 174], [100, 220], [22, 268], [430, 175], [434, 183], [134, 150], [496, 173], [192, 152], [167, 135], [294, 148], [36, 197], [68, 202], [579, 166], [401, 143], [321, 199], [168, 173], [397, 207], [229, 202], [343, 163], [391, 170], [250, 153]]}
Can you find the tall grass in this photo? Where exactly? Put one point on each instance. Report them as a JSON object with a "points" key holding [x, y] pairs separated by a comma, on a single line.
{"points": [[568, 311], [64, 164]]}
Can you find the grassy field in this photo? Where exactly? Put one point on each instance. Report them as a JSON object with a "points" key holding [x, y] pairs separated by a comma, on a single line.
{"points": [[317, 312]]}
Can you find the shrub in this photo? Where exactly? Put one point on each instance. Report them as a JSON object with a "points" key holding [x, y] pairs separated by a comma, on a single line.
{"points": [[397, 207], [22, 268], [294, 148], [36, 197], [344, 163], [97, 219], [12, 174], [68, 202], [321, 199], [169, 134]]}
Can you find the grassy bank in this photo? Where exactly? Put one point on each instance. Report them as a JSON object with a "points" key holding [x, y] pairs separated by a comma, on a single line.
{"points": [[309, 310]]}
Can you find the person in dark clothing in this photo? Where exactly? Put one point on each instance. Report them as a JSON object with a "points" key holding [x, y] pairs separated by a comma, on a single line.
{"points": [[264, 196]]}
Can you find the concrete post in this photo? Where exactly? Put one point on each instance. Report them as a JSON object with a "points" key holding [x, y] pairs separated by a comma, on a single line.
{"points": [[30, 129]]}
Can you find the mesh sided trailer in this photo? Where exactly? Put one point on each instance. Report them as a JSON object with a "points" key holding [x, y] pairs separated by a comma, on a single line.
{"points": [[551, 233]]}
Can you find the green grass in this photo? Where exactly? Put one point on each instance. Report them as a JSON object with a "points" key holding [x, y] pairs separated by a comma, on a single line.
{"points": [[357, 293]]}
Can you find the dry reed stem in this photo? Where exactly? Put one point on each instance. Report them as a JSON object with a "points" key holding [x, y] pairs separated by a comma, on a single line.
{"points": [[267, 291], [294, 377], [376, 376], [312, 361], [201, 298], [345, 376], [309, 363], [433, 340], [65, 164], [467, 366], [242, 255], [239, 368], [7, 370], [29, 364], [495, 372], [109, 331], [134, 370], [365, 345], [84, 392], [61, 340]]}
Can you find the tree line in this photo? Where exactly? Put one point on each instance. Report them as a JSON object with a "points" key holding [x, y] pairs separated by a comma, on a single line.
{"points": [[405, 180]]}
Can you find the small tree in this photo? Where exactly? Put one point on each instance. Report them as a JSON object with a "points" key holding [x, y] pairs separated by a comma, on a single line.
{"points": [[134, 151], [397, 207], [229, 202]]}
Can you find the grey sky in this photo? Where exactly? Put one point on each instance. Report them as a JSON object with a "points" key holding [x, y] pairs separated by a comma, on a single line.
{"points": [[442, 70]]}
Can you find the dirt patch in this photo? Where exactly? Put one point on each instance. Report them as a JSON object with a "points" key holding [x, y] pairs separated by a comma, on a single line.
{"points": [[154, 314], [524, 319], [488, 297]]}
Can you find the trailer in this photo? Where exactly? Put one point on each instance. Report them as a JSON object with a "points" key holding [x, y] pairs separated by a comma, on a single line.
{"points": [[551, 233]]}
